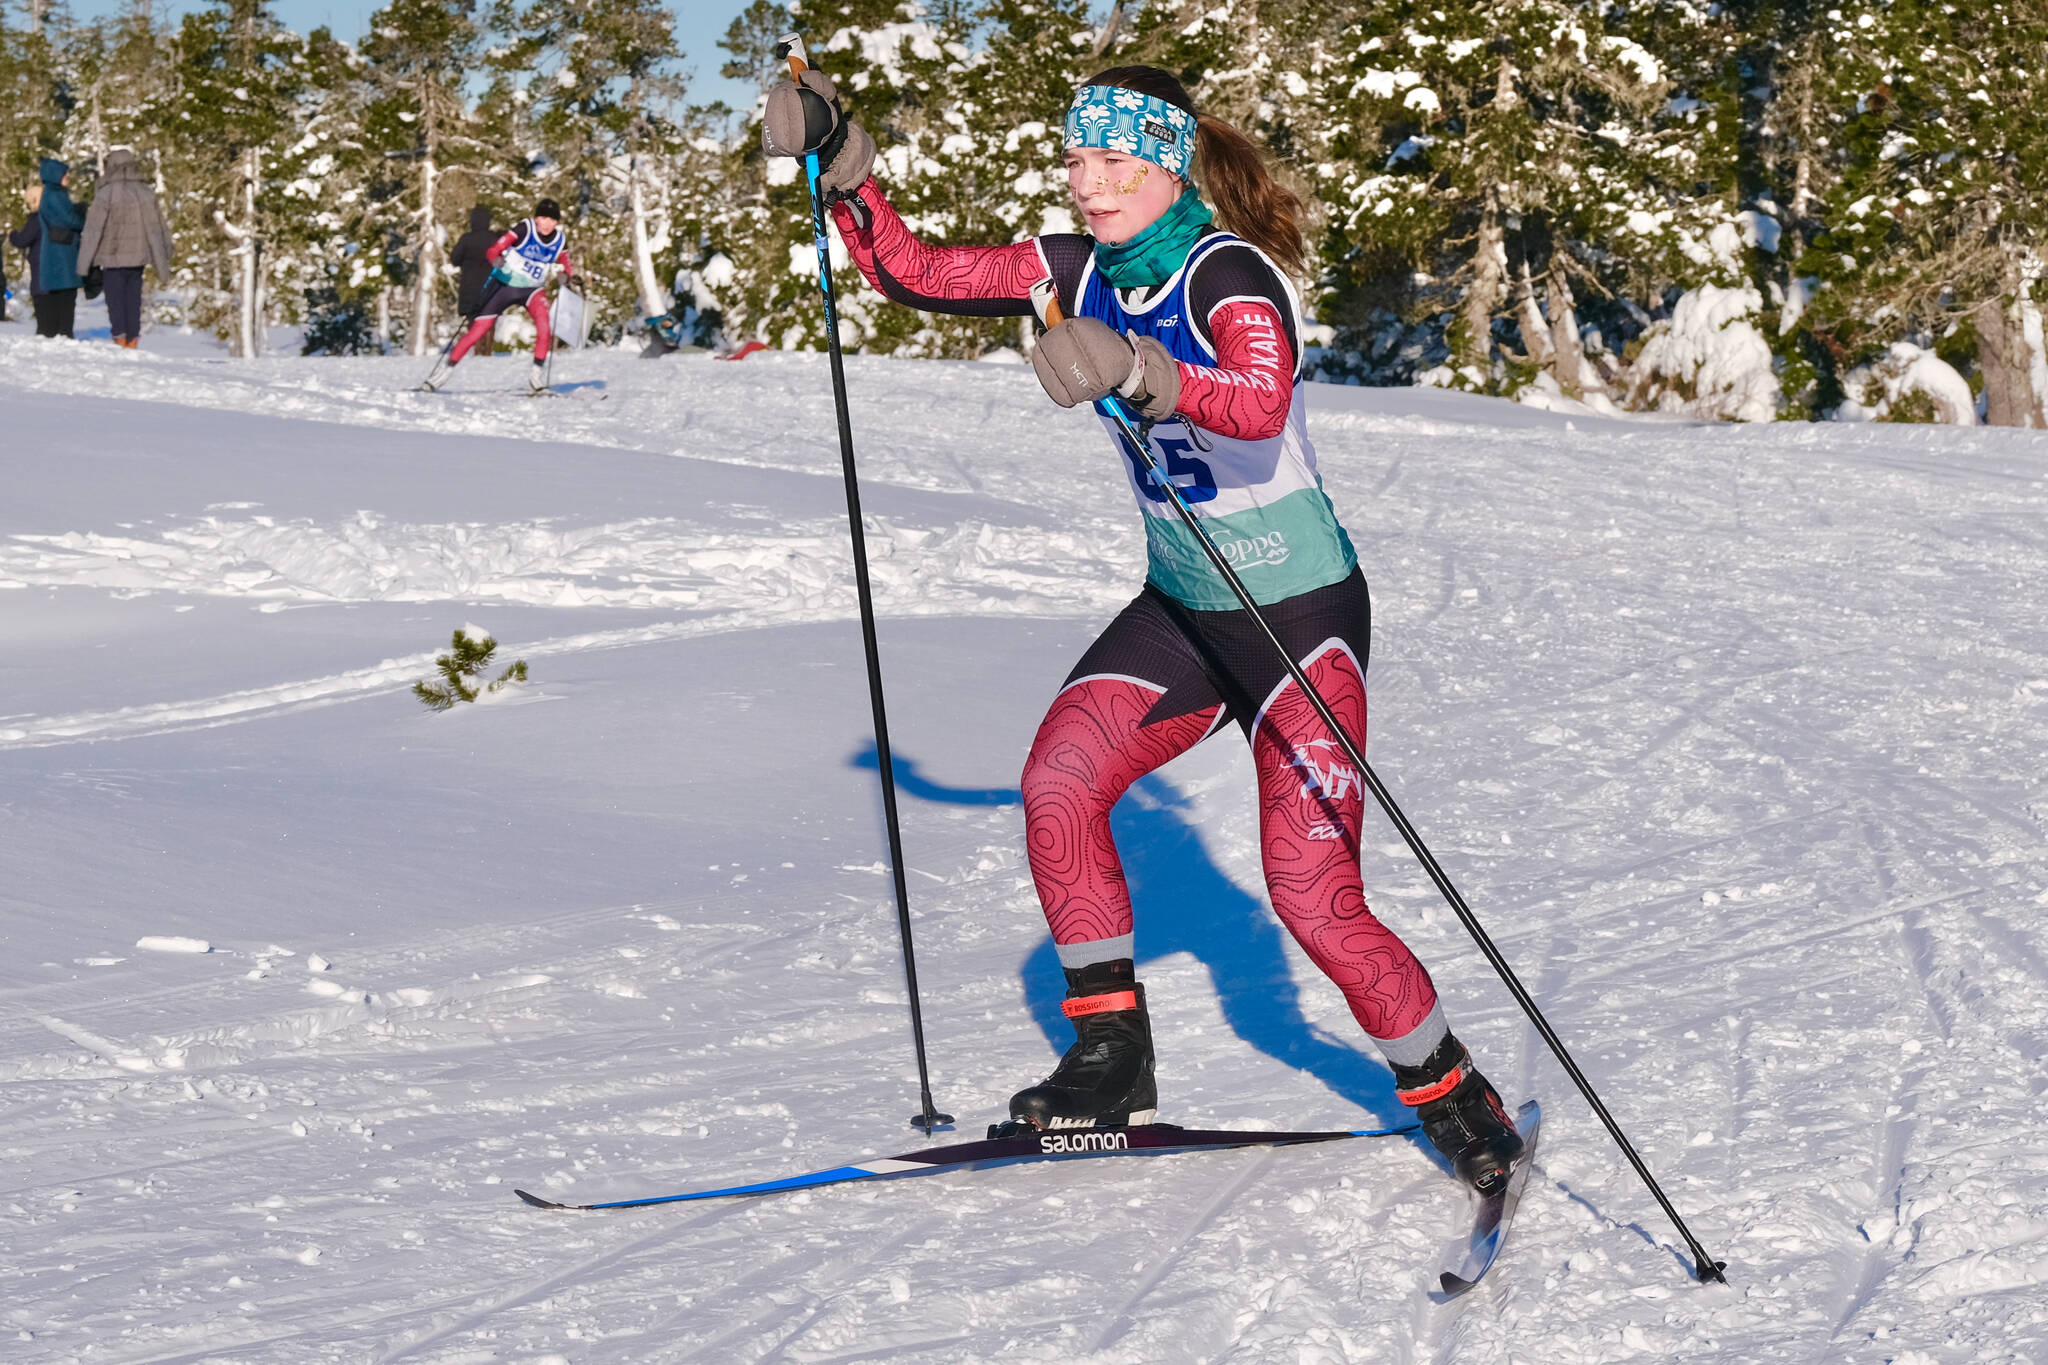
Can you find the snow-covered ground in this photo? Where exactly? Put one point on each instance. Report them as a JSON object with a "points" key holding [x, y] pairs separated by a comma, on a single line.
{"points": [[1733, 735]]}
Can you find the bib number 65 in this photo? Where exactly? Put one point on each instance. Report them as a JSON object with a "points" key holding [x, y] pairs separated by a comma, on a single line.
{"points": [[1189, 473]]}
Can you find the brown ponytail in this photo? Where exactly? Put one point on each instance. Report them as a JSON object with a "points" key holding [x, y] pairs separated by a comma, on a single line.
{"points": [[1231, 171]]}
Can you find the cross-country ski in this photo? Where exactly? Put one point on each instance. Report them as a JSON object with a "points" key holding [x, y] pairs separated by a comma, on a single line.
{"points": [[1033, 1146], [1495, 1210]]}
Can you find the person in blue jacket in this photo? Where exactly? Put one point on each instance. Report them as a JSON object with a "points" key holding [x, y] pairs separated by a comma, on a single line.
{"points": [[50, 237]]}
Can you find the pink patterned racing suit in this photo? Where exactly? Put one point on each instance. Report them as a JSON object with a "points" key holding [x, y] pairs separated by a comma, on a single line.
{"points": [[1168, 672]]}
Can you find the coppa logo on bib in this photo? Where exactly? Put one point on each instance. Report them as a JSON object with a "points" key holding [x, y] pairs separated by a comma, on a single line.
{"points": [[1270, 548]]}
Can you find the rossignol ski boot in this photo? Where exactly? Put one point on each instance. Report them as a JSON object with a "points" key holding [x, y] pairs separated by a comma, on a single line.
{"points": [[1461, 1114], [1105, 1080]]}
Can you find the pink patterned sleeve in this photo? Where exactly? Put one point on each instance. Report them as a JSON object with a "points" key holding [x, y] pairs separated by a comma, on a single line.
{"points": [[1246, 394], [988, 281]]}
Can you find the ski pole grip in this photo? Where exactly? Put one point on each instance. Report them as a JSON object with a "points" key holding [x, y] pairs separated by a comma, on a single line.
{"points": [[1045, 301], [790, 47]]}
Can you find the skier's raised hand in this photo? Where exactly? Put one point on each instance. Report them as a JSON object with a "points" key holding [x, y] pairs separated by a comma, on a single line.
{"points": [[804, 118]]}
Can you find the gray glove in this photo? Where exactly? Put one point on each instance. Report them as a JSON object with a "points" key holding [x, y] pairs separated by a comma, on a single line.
{"points": [[802, 118], [1084, 359]]}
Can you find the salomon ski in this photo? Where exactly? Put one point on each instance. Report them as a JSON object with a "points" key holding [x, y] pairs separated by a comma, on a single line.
{"points": [[1496, 1209], [1078, 1142]]}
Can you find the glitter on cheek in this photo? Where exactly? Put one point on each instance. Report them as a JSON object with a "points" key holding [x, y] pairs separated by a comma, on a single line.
{"points": [[1135, 183]]}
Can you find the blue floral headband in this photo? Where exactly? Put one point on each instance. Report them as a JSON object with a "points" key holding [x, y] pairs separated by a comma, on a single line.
{"points": [[1132, 122]]}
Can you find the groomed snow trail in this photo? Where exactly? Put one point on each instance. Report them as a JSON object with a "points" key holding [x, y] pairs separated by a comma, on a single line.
{"points": [[1733, 736]]}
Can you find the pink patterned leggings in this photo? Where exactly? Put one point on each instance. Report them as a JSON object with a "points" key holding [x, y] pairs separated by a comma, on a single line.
{"points": [[1160, 679]]}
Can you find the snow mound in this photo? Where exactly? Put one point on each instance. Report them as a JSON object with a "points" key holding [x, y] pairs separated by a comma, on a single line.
{"points": [[1888, 388], [1708, 359]]}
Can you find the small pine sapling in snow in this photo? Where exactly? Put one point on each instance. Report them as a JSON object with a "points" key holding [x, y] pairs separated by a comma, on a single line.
{"points": [[471, 650]]}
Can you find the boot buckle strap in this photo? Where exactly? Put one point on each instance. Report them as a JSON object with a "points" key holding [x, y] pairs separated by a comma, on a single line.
{"points": [[1099, 1004], [1434, 1091]]}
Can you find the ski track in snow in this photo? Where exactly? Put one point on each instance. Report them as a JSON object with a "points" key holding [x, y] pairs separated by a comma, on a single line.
{"points": [[1732, 736]]}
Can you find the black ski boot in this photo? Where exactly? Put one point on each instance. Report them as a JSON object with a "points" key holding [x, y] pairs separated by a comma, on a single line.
{"points": [[1461, 1114], [1105, 1080]]}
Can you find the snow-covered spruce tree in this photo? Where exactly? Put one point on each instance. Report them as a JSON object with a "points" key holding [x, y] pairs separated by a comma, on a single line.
{"points": [[121, 65], [328, 195], [895, 64], [605, 101], [1493, 165], [417, 55], [997, 149], [238, 74], [1251, 61], [37, 88], [1704, 267], [1935, 224]]}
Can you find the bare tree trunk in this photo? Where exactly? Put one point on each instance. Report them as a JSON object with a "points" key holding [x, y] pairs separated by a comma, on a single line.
{"points": [[430, 241], [383, 320], [1488, 289], [248, 273], [1568, 356], [99, 134], [1535, 332], [1107, 34], [429, 266], [652, 302], [2007, 357], [253, 300], [244, 253]]}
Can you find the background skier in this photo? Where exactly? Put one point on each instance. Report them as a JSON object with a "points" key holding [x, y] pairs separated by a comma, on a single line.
{"points": [[1198, 327], [523, 259]]}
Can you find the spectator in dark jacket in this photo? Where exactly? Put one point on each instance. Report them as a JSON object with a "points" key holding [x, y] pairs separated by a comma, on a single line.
{"points": [[51, 237], [472, 257], [124, 231], [53, 314]]}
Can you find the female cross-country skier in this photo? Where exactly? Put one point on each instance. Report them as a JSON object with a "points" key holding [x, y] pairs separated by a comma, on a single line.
{"points": [[521, 261], [1189, 314]]}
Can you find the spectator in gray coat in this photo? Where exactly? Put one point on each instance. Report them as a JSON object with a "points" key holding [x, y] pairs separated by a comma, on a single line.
{"points": [[124, 231]]}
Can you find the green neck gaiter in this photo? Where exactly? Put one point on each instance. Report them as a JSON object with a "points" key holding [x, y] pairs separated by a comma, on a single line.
{"points": [[1151, 257]]}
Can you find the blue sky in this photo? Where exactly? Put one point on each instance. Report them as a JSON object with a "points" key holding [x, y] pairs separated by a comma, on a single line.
{"points": [[699, 26]]}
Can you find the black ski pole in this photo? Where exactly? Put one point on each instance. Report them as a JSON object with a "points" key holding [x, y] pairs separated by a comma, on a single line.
{"points": [[1045, 299], [441, 360], [791, 47]]}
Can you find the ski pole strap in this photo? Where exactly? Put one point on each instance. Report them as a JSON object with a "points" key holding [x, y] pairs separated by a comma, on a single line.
{"points": [[1099, 1004], [1436, 1090]]}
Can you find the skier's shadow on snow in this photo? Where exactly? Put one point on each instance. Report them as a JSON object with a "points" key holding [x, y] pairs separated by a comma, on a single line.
{"points": [[1186, 905]]}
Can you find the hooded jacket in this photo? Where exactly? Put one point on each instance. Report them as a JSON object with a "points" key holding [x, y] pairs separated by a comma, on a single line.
{"points": [[125, 227], [61, 222], [472, 255]]}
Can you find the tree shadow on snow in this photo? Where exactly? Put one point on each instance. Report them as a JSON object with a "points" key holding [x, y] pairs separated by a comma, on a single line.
{"points": [[1185, 904]]}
